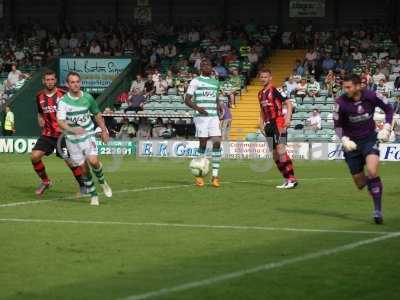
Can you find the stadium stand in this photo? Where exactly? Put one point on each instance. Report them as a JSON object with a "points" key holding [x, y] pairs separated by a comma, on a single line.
{"points": [[370, 53], [173, 54]]}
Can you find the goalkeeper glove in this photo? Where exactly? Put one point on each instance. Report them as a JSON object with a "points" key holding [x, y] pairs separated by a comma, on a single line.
{"points": [[348, 144], [384, 134]]}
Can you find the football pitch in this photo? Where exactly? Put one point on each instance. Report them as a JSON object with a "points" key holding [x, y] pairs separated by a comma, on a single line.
{"points": [[160, 237]]}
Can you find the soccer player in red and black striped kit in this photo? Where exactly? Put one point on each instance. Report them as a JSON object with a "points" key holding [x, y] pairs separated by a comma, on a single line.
{"points": [[46, 101], [274, 124]]}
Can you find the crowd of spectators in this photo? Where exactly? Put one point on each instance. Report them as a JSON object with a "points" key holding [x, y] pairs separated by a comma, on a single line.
{"points": [[370, 52], [170, 55], [170, 66]]}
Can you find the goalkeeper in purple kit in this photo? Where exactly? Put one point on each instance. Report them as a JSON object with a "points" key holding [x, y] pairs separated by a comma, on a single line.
{"points": [[355, 125]]}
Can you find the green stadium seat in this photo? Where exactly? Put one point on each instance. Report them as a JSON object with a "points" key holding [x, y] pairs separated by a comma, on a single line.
{"points": [[155, 98], [330, 100], [324, 114], [323, 92], [176, 98], [320, 100], [165, 98], [299, 100], [308, 100]]}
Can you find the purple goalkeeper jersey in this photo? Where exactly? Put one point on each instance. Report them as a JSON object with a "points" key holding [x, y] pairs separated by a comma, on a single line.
{"points": [[356, 118]]}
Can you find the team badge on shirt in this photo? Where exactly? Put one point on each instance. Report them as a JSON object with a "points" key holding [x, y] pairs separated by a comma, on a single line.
{"points": [[360, 109]]}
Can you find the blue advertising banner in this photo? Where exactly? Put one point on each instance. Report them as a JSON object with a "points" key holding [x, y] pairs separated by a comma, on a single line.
{"points": [[95, 72]]}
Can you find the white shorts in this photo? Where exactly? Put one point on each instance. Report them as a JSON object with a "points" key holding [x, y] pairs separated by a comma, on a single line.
{"points": [[78, 152], [207, 126]]}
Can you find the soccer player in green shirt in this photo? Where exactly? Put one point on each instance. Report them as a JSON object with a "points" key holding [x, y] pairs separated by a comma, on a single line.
{"points": [[74, 118], [202, 96]]}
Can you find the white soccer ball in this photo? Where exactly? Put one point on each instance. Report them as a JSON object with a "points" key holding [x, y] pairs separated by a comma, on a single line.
{"points": [[199, 167]]}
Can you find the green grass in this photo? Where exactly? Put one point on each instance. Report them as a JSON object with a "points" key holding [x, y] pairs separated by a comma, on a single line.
{"points": [[105, 260]]}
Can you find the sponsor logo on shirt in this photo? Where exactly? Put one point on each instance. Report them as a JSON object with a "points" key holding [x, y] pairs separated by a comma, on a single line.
{"points": [[360, 109], [360, 118]]}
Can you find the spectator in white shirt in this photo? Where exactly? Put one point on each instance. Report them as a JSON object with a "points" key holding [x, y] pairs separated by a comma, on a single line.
{"points": [[357, 55], [137, 84], [301, 89], [382, 89], [156, 75], [378, 76], [253, 56], [19, 55], [314, 121], [161, 86], [291, 86], [13, 76], [95, 48]]}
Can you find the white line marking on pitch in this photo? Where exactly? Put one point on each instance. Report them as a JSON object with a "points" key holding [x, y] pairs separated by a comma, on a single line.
{"points": [[198, 226], [13, 204], [261, 268], [145, 189]]}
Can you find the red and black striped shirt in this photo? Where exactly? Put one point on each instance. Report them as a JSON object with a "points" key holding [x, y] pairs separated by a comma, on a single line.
{"points": [[271, 103], [47, 107]]}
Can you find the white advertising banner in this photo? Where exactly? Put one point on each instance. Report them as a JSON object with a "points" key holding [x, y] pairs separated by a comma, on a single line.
{"points": [[230, 150], [334, 151]]}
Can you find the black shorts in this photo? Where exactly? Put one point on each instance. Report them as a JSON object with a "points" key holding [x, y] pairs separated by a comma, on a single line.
{"points": [[274, 136], [356, 159], [48, 144]]}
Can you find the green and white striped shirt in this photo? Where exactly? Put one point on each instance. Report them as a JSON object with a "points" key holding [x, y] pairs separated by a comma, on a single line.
{"points": [[76, 112], [205, 93]]}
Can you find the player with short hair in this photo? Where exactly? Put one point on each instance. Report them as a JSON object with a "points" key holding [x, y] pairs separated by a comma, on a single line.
{"points": [[74, 118], [274, 124], [46, 101], [355, 125], [202, 96]]}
